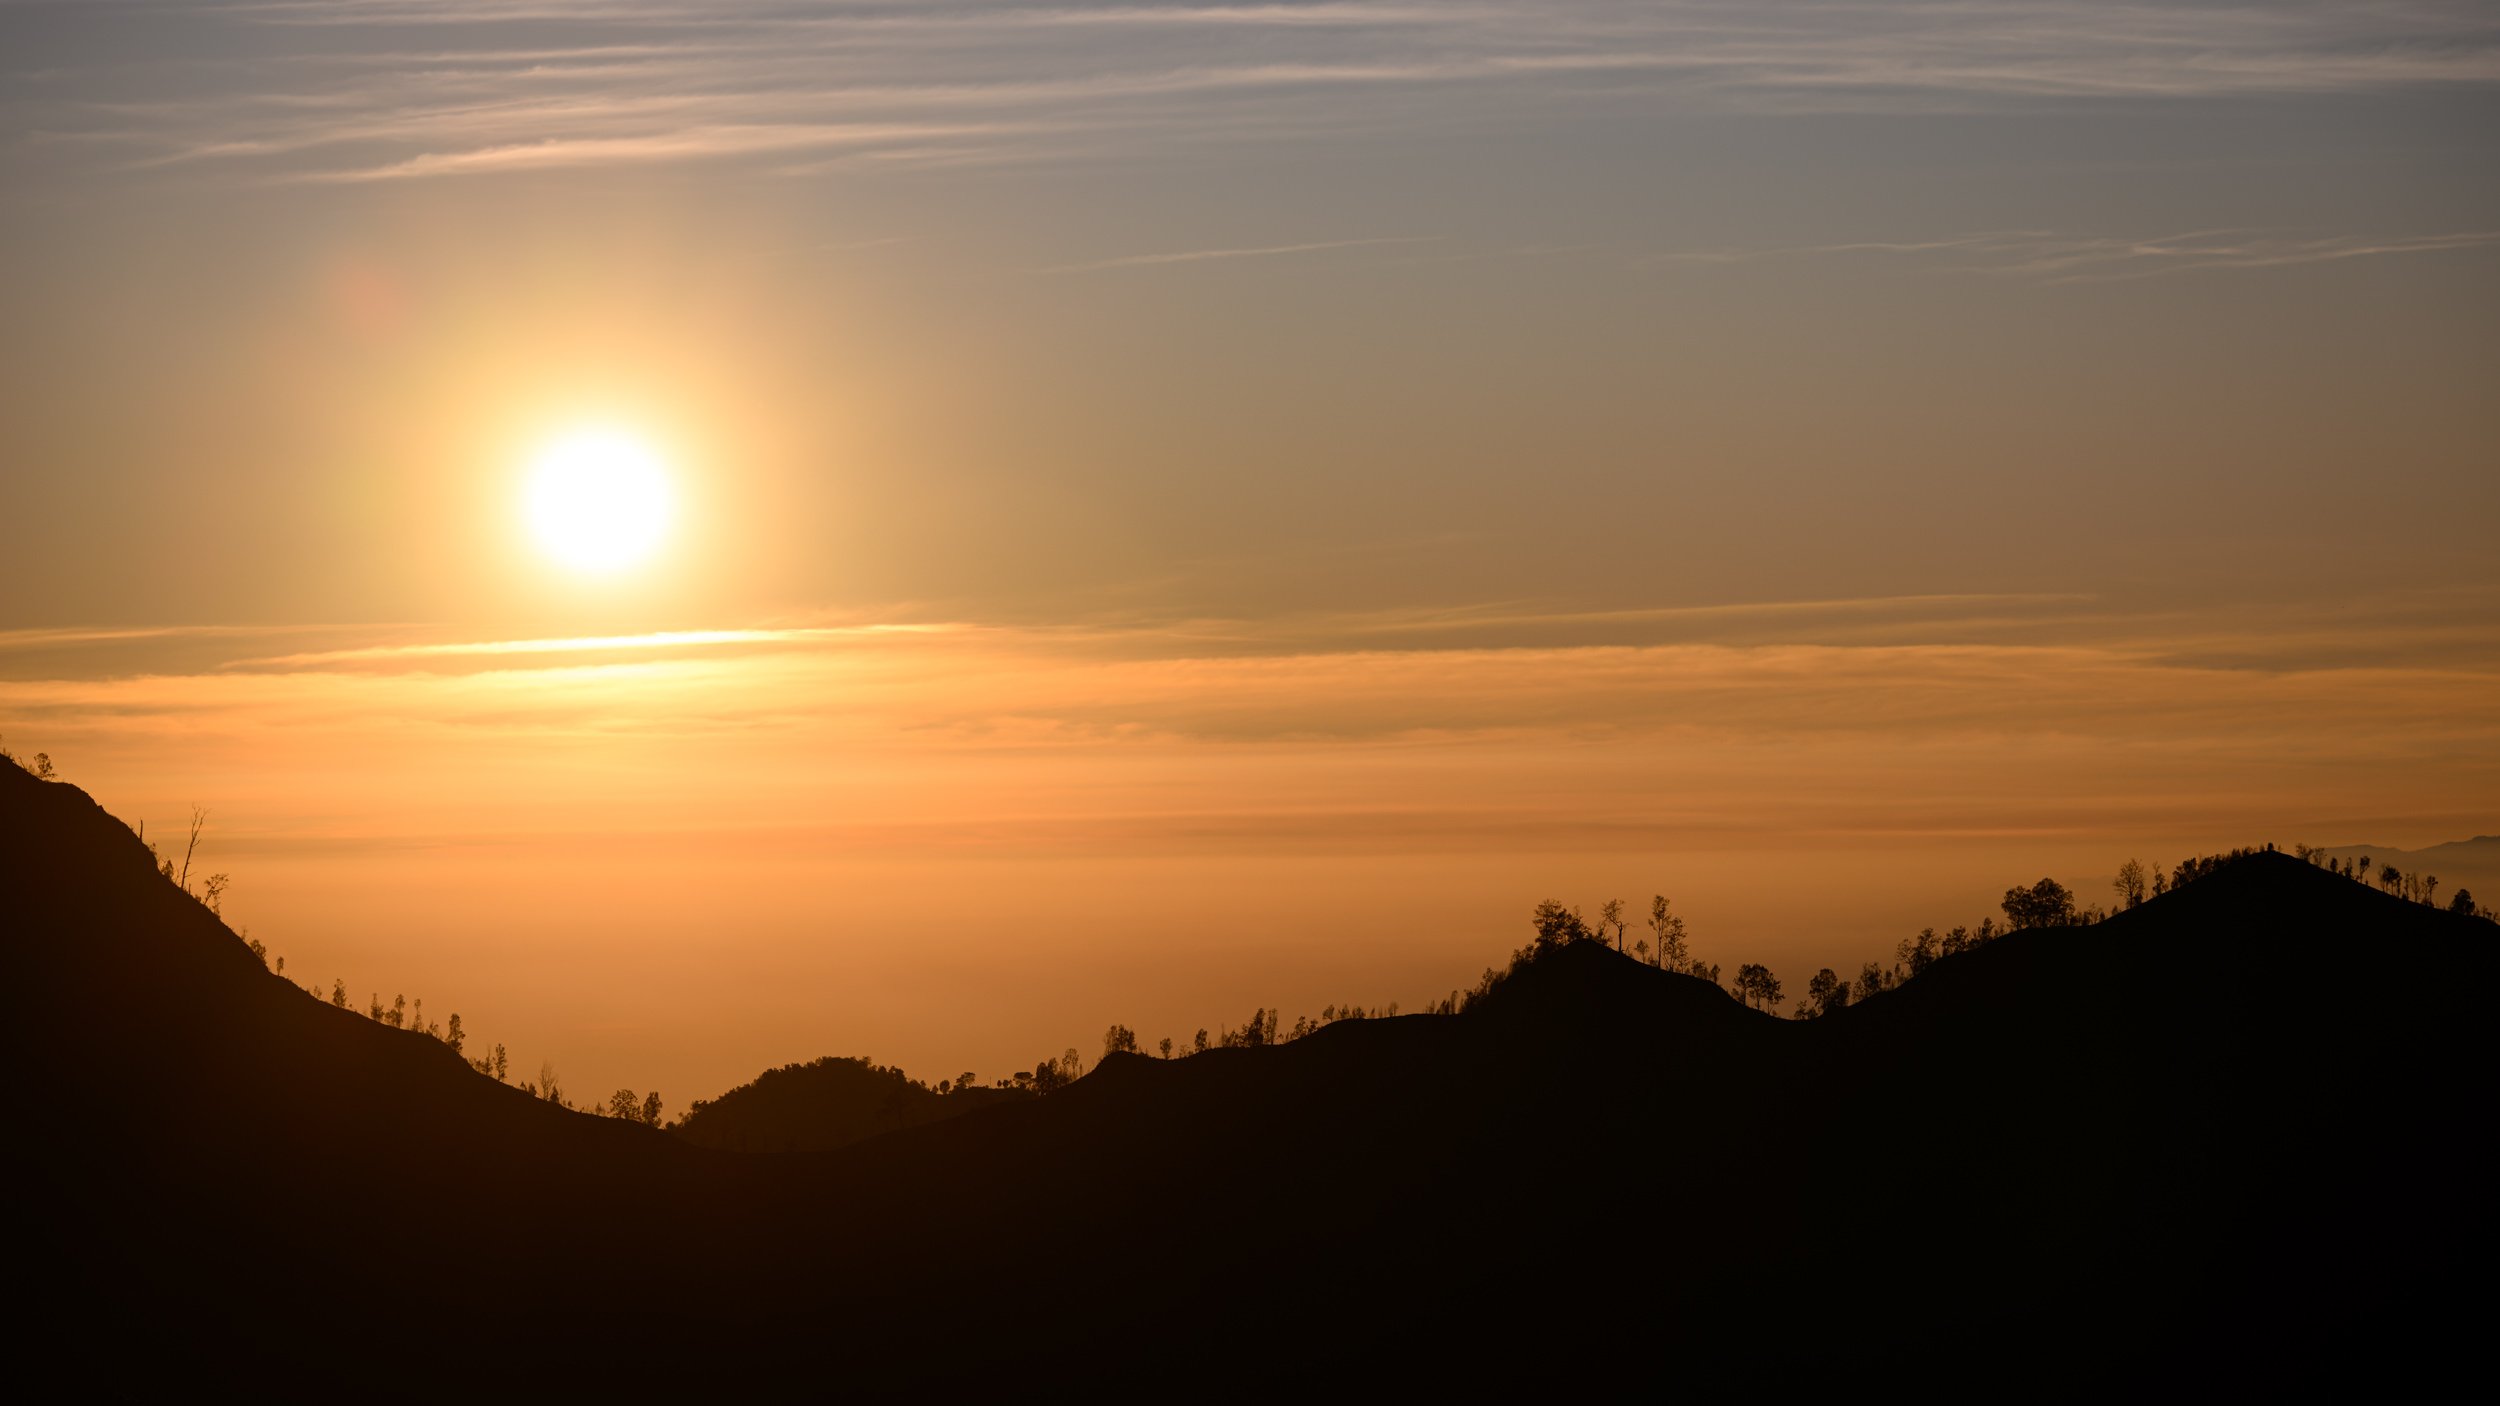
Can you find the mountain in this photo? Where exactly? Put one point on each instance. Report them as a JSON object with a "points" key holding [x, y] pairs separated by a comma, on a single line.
{"points": [[2231, 1136], [2469, 864]]}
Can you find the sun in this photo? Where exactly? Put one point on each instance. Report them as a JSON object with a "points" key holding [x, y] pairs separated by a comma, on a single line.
{"points": [[598, 501]]}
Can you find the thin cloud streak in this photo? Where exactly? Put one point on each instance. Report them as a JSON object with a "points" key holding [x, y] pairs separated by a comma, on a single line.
{"points": [[662, 641], [2068, 258], [692, 144], [1193, 256]]}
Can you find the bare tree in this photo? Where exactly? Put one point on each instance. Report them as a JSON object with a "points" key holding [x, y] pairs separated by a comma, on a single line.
{"points": [[2131, 884], [199, 822], [1611, 916], [1673, 954]]}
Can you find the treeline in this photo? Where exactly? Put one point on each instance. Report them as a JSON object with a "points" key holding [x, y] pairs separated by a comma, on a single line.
{"points": [[1664, 941], [496, 1063], [1264, 1027], [2417, 888]]}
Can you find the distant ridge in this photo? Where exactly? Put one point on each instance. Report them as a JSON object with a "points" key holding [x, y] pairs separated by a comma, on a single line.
{"points": [[2239, 1116], [2473, 863]]}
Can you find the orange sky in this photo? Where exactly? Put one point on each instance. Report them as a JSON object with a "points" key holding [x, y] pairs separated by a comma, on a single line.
{"points": [[676, 860]]}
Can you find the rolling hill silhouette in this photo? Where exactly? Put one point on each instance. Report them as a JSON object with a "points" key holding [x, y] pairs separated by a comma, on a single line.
{"points": [[824, 1104], [2231, 1136]]}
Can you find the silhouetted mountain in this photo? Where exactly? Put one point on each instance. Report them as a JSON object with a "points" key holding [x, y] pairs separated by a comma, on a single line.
{"points": [[2232, 1136], [824, 1104]]}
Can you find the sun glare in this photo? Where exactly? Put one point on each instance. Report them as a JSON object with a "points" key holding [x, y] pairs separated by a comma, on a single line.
{"points": [[598, 501]]}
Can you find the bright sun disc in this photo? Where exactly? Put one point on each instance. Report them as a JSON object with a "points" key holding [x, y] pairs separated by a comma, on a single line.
{"points": [[598, 501]]}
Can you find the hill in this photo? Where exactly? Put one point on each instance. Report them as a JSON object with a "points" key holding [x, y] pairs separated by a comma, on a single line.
{"points": [[2469, 864], [827, 1103], [2230, 1136]]}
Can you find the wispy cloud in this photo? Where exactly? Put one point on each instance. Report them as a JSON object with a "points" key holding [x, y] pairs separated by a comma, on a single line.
{"points": [[656, 642], [2079, 258], [1193, 256], [339, 91], [2448, 629]]}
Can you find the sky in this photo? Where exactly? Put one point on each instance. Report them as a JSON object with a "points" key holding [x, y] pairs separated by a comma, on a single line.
{"points": [[1183, 508]]}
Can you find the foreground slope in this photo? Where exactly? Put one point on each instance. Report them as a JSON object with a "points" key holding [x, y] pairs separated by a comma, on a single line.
{"points": [[2233, 1131]]}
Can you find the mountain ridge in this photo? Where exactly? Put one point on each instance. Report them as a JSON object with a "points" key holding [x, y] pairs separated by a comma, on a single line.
{"points": [[2175, 1081]]}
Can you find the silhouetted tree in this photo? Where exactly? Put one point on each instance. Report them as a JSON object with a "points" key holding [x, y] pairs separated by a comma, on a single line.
{"points": [[1825, 993], [1557, 926], [651, 1108], [453, 1035], [2389, 877], [2131, 884], [2462, 901], [2430, 889], [1872, 980], [1611, 916], [1912, 955], [1756, 987], [1167, 1047], [2046, 904], [1199, 1045], [1668, 926], [338, 992], [1119, 1039]]}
